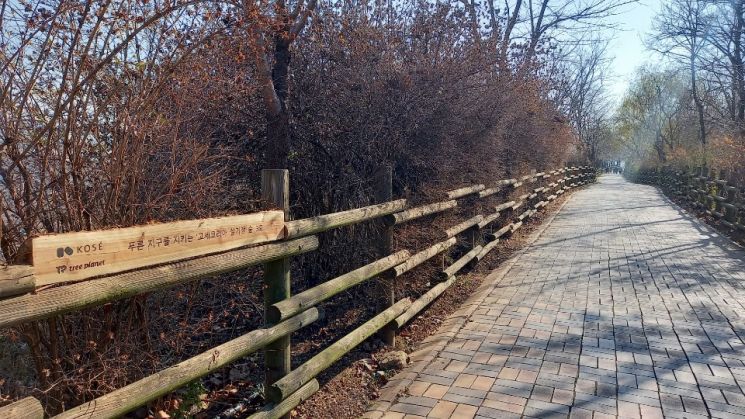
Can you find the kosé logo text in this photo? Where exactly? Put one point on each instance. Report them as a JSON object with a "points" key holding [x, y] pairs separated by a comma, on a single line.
{"points": [[81, 249]]}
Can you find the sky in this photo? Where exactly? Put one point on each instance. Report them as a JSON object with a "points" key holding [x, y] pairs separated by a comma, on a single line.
{"points": [[627, 50]]}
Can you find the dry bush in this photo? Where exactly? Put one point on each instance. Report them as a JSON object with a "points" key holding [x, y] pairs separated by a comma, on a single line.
{"points": [[172, 126]]}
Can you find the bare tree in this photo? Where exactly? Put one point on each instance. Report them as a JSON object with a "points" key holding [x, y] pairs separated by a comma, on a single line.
{"points": [[539, 22], [727, 21], [681, 31], [652, 115], [272, 30], [587, 104]]}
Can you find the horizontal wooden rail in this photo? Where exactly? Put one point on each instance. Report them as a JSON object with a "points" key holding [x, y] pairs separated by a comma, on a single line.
{"points": [[426, 299], [15, 280], [28, 408], [63, 299], [128, 398], [506, 205], [465, 225], [310, 297], [499, 233], [486, 249], [488, 220], [468, 190], [459, 264], [418, 212], [276, 411], [500, 186], [423, 256], [308, 226], [306, 372]]}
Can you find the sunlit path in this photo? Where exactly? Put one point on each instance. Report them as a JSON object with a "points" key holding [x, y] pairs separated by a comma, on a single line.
{"points": [[624, 306]]}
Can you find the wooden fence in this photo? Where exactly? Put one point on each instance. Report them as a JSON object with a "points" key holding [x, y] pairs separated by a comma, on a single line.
{"points": [[706, 190], [22, 300]]}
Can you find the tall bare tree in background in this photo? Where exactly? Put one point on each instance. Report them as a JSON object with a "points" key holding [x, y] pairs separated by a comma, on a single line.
{"points": [[587, 102], [536, 26], [568, 20], [703, 39], [653, 115], [681, 31], [725, 61]]}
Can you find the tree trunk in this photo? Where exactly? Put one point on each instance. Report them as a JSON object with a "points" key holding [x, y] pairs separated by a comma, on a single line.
{"points": [[739, 72], [659, 146], [278, 121], [278, 139], [697, 101]]}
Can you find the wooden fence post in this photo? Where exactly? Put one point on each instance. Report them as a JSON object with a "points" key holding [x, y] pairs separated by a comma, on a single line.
{"points": [[275, 190], [697, 182], [697, 174], [730, 200], [710, 192], [383, 189], [721, 191]]}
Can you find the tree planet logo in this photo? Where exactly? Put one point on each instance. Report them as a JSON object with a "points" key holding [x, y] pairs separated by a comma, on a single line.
{"points": [[61, 252]]}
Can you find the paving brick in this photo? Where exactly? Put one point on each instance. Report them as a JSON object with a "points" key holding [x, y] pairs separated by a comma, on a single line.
{"points": [[623, 306], [628, 410], [542, 393], [504, 406], [488, 412], [542, 409], [419, 401], [456, 366], [436, 391], [526, 376], [564, 397], [482, 383], [649, 412], [464, 411], [464, 380], [417, 388], [579, 413], [411, 409], [462, 399], [443, 409], [508, 373]]}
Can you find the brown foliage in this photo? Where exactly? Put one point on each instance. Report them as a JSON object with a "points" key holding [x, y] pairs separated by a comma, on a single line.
{"points": [[121, 113]]}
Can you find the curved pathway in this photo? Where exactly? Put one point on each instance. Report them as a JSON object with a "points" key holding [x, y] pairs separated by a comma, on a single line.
{"points": [[623, 306]]}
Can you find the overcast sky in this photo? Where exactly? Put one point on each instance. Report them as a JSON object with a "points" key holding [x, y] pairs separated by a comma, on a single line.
{"points": [[627, 50]]}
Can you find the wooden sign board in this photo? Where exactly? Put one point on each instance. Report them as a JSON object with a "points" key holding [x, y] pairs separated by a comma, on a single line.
{"points": [[77, 256]]}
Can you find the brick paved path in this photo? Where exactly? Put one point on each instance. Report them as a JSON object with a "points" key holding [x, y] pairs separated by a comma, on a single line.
{"points": [[623, 307]]}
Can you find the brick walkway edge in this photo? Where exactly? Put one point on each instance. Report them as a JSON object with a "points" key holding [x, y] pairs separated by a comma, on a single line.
{"points": [[622, 306]]}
